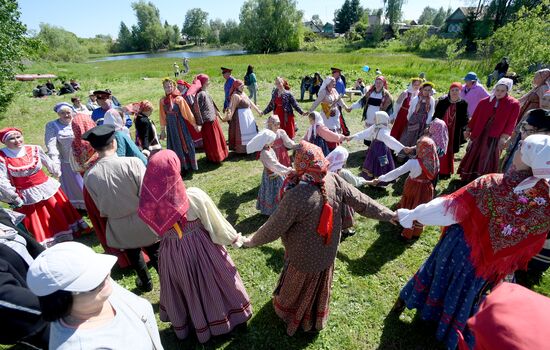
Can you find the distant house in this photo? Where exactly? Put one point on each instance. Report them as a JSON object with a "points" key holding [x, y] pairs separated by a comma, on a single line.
{"points": [[313, 27], [328, 29], [374, 20], [455, 21]]}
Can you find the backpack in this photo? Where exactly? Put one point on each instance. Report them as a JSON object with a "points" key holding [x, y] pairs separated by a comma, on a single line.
{"points": [[247, 79]]}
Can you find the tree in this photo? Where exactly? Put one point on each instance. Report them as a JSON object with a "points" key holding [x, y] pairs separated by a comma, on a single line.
{"points": [[196, 25], [61, 45], [214, 30], [317, 21], [350, 13], [427, 16], [172, 35], [230, 33], [440, 17], [149, 32], [271, 25], [125, 41], [393, 10]]}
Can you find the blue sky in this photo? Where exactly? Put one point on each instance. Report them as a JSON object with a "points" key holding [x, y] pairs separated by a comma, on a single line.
{"points": [[88, 18]]}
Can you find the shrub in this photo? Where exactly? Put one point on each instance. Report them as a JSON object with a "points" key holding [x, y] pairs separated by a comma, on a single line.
{"points": [[414, 37]]}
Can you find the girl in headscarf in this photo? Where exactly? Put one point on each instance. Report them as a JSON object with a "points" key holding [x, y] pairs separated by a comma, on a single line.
{"points": [[453, 110], [419, 188], [439, 133], [173, 113], [378, 157], [489, 129], [273, 174], [283, 143], [493, 226], [207, 114], [309, 220], [49, 215], [200, 288], [401, 110], [320, 135], [378, 98], [420, 115], [242, 126], [58, 138], [283, 104], [330, 100], [146, 132], [337, 159]]}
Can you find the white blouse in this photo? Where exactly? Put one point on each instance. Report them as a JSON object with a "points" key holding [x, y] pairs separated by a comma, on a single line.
{"points": [[382, 134], [371, 110], [412, 166], [269, 160], [433, 213]]}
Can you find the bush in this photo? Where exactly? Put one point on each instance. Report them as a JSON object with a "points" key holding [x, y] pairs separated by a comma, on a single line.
{"points": [[412, 38], [435, 46], [61, 45]]}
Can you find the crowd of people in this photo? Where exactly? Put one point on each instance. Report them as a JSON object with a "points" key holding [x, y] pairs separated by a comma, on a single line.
{"points": [[59, 292]]}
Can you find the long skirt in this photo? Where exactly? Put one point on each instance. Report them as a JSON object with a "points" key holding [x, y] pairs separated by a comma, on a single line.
{"points": [[287, 121], [302, 299], [482, 156], [378, 161], [52, 220], [445, 289], [242, 129], [400, 123], [413, 131], [416, 192], [200, 288], [100, 228], [72, 184], [281, 152], [180, 141], [214, 142], [195, 135], [268, 193], [321, 143]]}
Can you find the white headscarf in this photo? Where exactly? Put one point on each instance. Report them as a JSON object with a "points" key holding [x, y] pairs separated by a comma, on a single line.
{"points": [[113, 117], [337, 158], [535, 152], [381, 119], [264, 137], [327, 81], [503, 81], [313, 129], [274, 118]]}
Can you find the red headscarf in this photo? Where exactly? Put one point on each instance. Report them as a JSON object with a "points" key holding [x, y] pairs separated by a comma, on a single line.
{"points": [[84, 154], [163, 200], [4, 133], [236, 84], [198, 82], [169, 99], [455, 84], [426, 153]]}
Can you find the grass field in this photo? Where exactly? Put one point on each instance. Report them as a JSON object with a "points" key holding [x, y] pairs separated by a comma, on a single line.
{"points": [[371, 267]]}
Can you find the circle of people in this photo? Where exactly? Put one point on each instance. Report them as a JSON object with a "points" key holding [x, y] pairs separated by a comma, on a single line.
{"points": [[142, 212]]}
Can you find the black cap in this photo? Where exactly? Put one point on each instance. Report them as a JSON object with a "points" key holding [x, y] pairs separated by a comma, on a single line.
{"points": [[226, 70], [102, 94], [333, 69], [100, 136], [539, 118]]}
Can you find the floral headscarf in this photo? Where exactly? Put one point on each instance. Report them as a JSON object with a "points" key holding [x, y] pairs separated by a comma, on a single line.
{"points": [[440, 134], [83, 153], [426, 153], [163, 200]]}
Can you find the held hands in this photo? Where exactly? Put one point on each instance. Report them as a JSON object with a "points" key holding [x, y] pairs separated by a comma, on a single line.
{"points": [[348, 109], [163, 134], [502, 142], [395, 219], [247, 242], [409, 150], [373, 182], [198, 128]]}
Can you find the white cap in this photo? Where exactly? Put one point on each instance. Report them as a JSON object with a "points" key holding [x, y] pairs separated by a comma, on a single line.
{"points": [[69, 266]]}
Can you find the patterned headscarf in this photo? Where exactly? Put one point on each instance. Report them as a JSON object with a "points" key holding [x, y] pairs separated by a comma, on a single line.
{"points": [[6, 132], [83, 153], [440, 134], [426, 153], [163, 200]]}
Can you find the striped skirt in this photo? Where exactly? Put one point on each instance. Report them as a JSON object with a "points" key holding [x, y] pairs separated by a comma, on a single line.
{"points": [[180, 141], [200, 288], [268, 193]]}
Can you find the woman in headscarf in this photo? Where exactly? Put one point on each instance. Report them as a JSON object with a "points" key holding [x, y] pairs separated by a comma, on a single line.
{"points": [[453, 110], [146, 132], [49, 215], [242, 126], [401, 109], [273, 174], [337, 159], [439, 133], [378, 158], [419, 188], [489, 129], [321, 136], [173, 113], [420, 116], [58, 138], [200, 288], [330, 100], [283, 104], [206, 114], [493, 226], [309, 220], [282, 143], [115, 116], [378, 98]]}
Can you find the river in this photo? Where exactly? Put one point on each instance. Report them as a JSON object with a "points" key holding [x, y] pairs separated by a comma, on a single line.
{"points": [[171, 54]]}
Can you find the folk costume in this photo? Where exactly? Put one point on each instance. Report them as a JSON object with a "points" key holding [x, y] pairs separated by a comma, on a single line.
{"points": [[374, 101], [401, 110], [320, 135], [282, 143], [242, 125], [283, 105]]}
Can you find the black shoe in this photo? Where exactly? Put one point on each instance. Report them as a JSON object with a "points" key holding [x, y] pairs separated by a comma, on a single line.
{"points": [[144, 287], [347, 233]]}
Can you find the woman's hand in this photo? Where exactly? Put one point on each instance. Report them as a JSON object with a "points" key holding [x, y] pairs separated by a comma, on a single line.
{"points": [[348, 109], [163, 134], [395, 219], [502, 142], [247, 242]]}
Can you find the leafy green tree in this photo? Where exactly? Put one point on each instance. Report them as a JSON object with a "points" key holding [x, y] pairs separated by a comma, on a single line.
{"points": [[125, 40], [230, 33], [196, 25], [271, 25], [214, 30], [440, 17], [427, 16], [350, 13], [172, 35], [149, 32], [61, 45], [393, 10]]}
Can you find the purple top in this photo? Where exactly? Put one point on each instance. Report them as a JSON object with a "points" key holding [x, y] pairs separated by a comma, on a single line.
{"points": [[473, 95]]}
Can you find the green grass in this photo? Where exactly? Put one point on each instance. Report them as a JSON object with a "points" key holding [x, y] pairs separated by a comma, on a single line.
{"points": [[371, 267]]}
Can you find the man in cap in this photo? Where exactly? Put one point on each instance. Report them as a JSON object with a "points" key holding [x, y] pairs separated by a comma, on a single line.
{"points": [[340, 80], [472, 92], [92, 101], [114, 183], [226, 72], [103, 99]]}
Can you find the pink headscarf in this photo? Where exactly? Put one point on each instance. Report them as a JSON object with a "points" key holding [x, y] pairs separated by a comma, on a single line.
{"points": [[440, 134], [163, 200], [198, 82]]}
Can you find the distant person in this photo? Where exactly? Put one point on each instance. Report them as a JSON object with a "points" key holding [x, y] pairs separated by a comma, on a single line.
{"points": [[185, 65], [92, 101], [78, 106], [250, 82], [306, 85], [472, 92], [500, 71], [359, 85], [74, 84], [50, 85], [176, 70], [226, 72], [378, 71], [115, 100], [340, 80], [41, 91], [65, 89], [422, 77]]}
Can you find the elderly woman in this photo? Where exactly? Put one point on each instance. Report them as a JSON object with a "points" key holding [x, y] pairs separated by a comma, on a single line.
{"points": [[283, 105], [401, 109], [489, 129], [242, 126], [58, 139], [86, 308], [49, 215], [493, 226], [309, 220]]}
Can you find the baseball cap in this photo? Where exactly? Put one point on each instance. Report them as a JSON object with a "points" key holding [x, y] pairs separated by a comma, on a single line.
{"points": [[471, 77], [68, 266]]}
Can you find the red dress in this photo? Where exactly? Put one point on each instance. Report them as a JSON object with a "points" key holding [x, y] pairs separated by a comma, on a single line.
{"points": [[401, 119], [48, 213], [214, 141], [287, 119]]}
